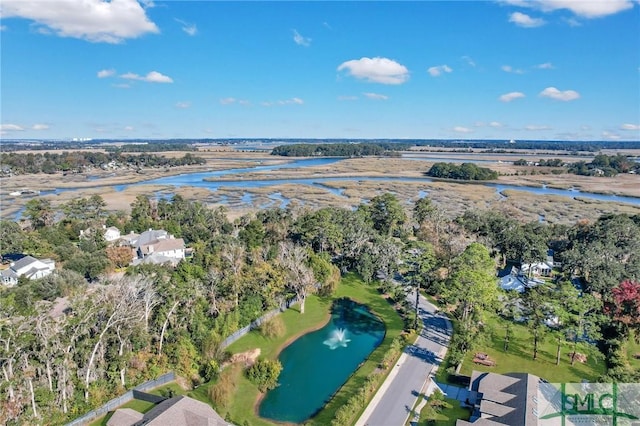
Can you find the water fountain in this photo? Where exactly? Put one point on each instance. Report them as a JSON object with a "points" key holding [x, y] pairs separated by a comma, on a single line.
{"points": [[337, 339]]}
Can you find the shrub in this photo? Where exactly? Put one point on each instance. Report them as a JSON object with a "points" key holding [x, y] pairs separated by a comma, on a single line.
{"points": [[273, 327], [264, 374], [221, 392]]}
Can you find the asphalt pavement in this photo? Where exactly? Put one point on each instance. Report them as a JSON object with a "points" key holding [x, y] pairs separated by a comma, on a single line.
{"points": [[392, 404]]}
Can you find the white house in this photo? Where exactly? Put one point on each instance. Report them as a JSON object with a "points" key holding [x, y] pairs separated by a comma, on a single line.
{"points": [[28, 266], [111, 233], [155, 246]]}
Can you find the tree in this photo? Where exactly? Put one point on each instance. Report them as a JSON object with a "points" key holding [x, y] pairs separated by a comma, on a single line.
{"points": [[423, 209], [472, 285], [625, 306], [537, 308], [387, 213], [293, 258], [40, 212]]}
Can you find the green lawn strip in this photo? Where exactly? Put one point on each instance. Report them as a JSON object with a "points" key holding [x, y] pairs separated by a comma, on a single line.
{"points": [[316, 315], [519, 358], [442, 375], [633, 349], [448, 415]]}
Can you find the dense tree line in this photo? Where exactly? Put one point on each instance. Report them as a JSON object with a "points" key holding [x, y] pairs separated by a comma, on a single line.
{"points": [[464, 171], [340, 149], [605, 165], [551, 162], [150, 147], [77, 161]]}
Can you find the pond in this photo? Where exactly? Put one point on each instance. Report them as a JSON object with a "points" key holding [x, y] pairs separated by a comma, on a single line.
{"points": [[317, 364]]}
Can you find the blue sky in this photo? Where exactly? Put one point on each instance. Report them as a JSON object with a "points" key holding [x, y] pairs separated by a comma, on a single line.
{"points": [[513, 69]]}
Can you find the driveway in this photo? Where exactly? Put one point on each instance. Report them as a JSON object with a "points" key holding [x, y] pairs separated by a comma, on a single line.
{"points": [[396, 397]]}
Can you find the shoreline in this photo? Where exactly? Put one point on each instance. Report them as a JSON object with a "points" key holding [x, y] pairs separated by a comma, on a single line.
{"points": [[277, 353]]}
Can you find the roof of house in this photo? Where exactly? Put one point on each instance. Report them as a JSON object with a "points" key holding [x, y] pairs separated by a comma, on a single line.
{"points": [[170, 244], [24, 262], [182, 411], [150, 236], [124, 417], [508, 399]]}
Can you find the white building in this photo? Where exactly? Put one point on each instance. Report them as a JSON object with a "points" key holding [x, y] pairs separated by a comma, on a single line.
{"points": [[111, 233], [28, 266]]}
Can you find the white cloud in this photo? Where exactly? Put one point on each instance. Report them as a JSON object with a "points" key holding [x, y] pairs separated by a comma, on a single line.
{"points": [[496, 124], [559, 95], [375, 96], [129, 128], [545, 66], [469, 61], [188, 28], [3, 28], [106, 73], [610, 135], [628, 126], [461, 129], [93, 20], [10, 128], [183, 105], [510, 69], [535, 127], [526, 21], [376, 70], [585, 8], [508, 97], [227, 101], [347, 98], [438, 70], [152, 77], [39, 126], [292, 101], [300, 40]]}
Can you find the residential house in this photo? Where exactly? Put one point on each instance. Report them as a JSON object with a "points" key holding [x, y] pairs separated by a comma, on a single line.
{"points": [[177, 411], [155, 246], [28, 266], [111, 233], [503, 399]]}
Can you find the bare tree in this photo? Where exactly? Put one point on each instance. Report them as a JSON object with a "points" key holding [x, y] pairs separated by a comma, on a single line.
{"points": [[118, 304], [301, 279], [233, 255]]}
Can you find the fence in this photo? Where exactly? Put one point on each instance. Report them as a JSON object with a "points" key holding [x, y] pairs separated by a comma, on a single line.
{"points": [[123, 399], [256, 323]]}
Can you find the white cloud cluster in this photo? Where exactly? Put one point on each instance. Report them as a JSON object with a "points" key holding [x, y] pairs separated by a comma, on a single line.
{"points": [[300, 40], [40, 126], [462, 129], [290, 101], [628, 126], [106, 73], [526, 21], [535, 127], [583, 8], [190, 29], [438, 70], [231, 100], [511, 96], [376, 70], [151, 77], [375, 96], [93, 20], [510, 69], [545, 66], [559, 95], [5, 128], [183, 104]]}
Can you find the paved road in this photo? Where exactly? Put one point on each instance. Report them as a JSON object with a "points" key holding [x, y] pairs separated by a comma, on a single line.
{"points": [[392, 404]]}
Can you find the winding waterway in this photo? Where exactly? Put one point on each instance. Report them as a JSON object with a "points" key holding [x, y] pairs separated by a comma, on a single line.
{"points": [[206, 180]]}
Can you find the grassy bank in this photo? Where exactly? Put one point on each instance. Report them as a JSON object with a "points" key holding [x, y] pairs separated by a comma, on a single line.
{"points": [[316, 315]]}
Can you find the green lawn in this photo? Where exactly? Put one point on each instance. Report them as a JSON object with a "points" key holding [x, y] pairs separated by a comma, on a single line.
{"points": [[315, 316], [633, 348], [448, 416], [519, 357]]}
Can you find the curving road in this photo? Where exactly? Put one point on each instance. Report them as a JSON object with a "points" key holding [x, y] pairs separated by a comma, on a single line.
{"points": [[396, 397]]}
